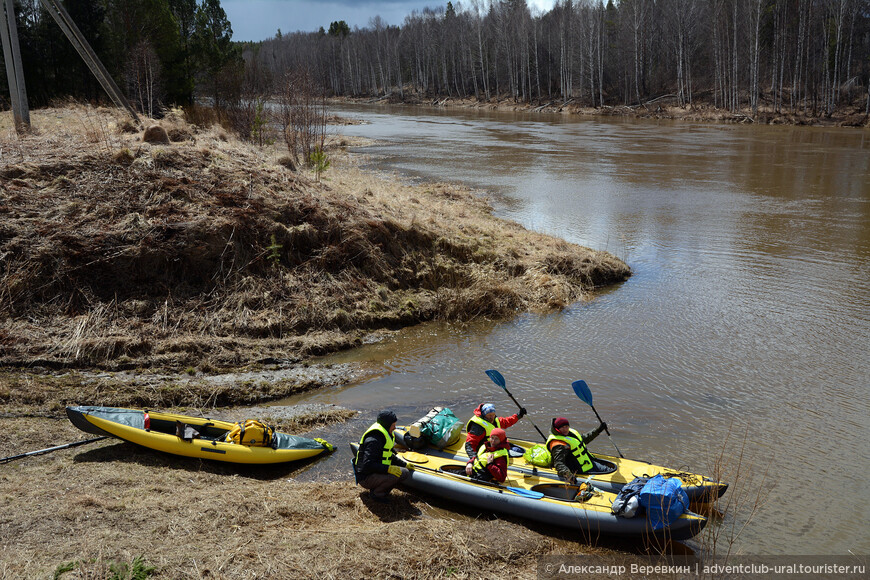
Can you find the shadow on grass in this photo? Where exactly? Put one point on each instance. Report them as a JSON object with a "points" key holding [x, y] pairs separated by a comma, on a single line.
{"points": [[401, 507], [636, 546], [131, 453]]}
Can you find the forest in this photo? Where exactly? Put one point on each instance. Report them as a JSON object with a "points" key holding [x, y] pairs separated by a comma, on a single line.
{"points": [[801, 56], [159, 52], [808, 56]]}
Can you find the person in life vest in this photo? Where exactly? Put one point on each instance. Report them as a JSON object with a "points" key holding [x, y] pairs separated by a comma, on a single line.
{"points": [[481, 424], [376, 466], [491, 460], [568, 450]]}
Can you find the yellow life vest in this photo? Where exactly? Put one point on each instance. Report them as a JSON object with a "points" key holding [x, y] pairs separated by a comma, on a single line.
{"points": [[487, 426], [386, 457], [480, 465], [578, 448]]}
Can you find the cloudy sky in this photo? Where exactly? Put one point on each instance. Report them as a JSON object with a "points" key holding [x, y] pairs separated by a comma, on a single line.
{"points": [[261, 19]]}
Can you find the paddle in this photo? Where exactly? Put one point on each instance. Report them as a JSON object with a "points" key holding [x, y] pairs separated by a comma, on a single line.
{"points": [[581, 389], [29, 453], [517, 490], [499, 380]]}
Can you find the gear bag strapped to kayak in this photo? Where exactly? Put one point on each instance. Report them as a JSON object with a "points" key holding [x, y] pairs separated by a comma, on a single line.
{"points": [[664, 500], [252, 433], [439, 427], [626, 503]]}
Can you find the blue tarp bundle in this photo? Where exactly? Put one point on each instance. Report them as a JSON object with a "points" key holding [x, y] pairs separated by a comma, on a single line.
{"points": [[664, 500]]}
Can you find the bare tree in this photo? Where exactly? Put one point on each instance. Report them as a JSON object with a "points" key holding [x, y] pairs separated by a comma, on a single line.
{"points": [[301, 114], [144, 80]]}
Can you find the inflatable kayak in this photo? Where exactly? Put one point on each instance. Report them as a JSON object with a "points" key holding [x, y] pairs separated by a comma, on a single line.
{"points": [[620, 470], [190, 436], [538, 499]]}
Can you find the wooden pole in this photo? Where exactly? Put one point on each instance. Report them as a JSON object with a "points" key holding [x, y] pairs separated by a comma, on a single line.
{"points": [[14, 71], [69, 28]]}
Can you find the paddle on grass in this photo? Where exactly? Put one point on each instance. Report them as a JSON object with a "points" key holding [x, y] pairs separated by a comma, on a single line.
{"points": [[29, 453], [581, 389], [499, 380]]}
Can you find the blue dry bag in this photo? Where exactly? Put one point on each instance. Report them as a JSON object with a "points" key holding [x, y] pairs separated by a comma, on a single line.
{"points": [[664, 500]]}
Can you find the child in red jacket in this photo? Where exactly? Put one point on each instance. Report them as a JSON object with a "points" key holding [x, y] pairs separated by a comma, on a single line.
{"points": [[491, 461]]}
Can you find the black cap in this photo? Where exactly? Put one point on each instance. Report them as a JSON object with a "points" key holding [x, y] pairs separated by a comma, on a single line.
{"points": [[387, 418]]}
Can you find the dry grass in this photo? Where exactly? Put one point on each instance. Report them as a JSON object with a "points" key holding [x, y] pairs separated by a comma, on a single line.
{"points": [[111, 502], [46, 393], [205, 254], [116, 253], [749, 490]]}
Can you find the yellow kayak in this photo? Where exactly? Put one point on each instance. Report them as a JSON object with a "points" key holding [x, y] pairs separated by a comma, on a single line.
{"points": [[620, 470], [537, 498], [161, 432]]}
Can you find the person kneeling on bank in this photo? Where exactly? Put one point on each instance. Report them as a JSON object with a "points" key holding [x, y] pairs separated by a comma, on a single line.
{"points": [[491, 461], [376, 466]]}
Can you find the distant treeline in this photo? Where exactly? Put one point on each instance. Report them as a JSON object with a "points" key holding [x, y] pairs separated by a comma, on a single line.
{"points": [[808, 56], [158, 51]]}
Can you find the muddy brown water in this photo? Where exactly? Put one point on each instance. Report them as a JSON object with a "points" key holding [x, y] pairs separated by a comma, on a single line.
{"points": [[744, 330]]}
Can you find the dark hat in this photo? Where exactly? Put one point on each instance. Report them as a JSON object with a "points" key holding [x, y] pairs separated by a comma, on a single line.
{"points": [[559, 422], [387, 418]]}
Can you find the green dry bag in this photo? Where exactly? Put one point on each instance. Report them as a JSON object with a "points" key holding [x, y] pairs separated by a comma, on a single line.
{"points": [[538, 455]]}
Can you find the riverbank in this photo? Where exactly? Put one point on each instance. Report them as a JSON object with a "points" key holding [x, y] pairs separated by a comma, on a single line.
{"points": [[661, 108], [202, 273], [169, 274], [89, 511], [205, 253]]}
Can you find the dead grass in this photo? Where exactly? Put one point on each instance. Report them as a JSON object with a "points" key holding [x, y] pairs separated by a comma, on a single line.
{"points": [[46, 393], [111, 502], [205, 254], [116, 253]]}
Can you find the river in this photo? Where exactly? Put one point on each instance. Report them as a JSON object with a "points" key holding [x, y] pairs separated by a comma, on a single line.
{"points": [[743, 333]]}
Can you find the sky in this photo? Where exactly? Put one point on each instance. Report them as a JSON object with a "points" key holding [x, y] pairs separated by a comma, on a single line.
{"points": [[260, 19]]}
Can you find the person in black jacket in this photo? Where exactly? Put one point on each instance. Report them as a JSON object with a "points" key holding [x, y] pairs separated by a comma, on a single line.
{"points": [[376, 467], [568, 450]]}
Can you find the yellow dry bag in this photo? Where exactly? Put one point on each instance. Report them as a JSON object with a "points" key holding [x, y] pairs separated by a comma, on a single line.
{"points": [[252, 433]]}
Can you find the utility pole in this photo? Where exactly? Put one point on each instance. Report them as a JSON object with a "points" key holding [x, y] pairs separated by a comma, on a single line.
{"points": [[69, 28], [14, 72]]}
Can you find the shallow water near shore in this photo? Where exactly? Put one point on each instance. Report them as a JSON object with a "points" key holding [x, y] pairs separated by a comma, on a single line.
{"points": [[747, 317]]}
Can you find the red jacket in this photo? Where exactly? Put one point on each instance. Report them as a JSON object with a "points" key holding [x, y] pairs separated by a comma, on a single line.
{"points": [[497, 470], [475, 434]]}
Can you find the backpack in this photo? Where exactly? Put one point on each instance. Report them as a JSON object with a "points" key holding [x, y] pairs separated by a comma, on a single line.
{"points": [[626, 502], [252, 433]]}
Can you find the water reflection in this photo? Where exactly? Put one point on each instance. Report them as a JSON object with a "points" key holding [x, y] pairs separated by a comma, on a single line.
{"points": [[747, 313]]}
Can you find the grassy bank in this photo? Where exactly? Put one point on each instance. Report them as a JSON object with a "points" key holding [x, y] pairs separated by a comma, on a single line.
{"points": [[207, 253], [90, 511], [170, 274]]}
